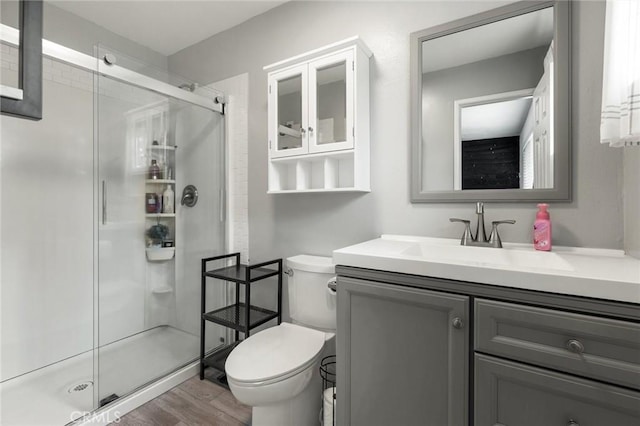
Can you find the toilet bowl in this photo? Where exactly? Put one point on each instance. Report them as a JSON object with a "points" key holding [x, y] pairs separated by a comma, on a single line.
{"points": [[275, 371]]}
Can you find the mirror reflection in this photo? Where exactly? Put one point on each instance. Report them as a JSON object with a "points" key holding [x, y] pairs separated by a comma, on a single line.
{"points": [[290, 113], [487, 106]]}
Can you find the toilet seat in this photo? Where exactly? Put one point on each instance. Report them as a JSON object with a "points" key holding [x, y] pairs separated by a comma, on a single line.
{"points": [[274, 355]]}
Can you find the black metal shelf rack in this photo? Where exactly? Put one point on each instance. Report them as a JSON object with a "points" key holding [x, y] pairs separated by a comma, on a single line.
{"points": [[236, 316]]}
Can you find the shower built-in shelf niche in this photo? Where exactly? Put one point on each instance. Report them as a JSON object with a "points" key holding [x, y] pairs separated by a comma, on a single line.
{"points": [[151, 142], [318, 119]]}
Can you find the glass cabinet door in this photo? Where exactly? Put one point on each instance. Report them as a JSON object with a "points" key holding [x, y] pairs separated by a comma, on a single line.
{"points": [[331, 103], [288, 112]]}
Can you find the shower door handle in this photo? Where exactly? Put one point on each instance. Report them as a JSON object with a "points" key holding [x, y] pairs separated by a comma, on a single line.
{"points": [[104, 202]]}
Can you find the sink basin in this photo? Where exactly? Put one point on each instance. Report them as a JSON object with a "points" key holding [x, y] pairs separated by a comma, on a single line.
{"points": [[506, 257]]}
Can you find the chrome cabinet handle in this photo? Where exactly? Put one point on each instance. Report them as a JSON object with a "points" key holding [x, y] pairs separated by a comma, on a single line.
{"points": [[332, 284], [572, 423], [575, 346], [310, 129], [457, 323]]}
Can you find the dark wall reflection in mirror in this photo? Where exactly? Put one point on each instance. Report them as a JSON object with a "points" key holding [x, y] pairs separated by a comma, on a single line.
{"points": [[488, 92], [24, 100]]}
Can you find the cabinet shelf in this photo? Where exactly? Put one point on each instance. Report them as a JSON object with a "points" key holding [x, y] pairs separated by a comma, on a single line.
{"points": [[219, 357], [160, 215], [298, 191], [160, 181], [238, 274], [233, 316], [162, 148]]}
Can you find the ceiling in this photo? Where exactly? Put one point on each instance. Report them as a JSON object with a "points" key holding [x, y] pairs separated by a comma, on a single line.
{"points": [[166, 26], [495, 120], [498, 38]]}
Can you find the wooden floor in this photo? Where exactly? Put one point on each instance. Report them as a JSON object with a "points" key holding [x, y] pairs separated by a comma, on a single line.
{"points": [[194, 402]]}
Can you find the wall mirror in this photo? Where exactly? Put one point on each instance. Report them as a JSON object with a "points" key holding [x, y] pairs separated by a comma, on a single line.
{"points": [[490, 106]]}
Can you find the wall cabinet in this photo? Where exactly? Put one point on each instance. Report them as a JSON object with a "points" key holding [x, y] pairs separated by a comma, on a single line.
{"points": [[318, 113], [406, 343], [402, 355]]}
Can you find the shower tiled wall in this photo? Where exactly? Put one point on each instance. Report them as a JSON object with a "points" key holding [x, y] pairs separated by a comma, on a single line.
{"points": [[236, 90]]}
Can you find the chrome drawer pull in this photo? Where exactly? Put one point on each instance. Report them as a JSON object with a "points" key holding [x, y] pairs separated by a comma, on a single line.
{"points": [[457, 323], [578, 348]]}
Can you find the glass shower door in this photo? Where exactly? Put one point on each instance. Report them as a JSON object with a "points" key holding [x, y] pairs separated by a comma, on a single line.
{"points": [[150, 147]]}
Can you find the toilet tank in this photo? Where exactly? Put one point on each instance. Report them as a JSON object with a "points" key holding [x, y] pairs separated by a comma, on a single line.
{"points": [[310, 302]]}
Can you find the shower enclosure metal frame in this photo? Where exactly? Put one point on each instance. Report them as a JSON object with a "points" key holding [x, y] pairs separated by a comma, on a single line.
{"points": [[99, 68], [82, 60]]}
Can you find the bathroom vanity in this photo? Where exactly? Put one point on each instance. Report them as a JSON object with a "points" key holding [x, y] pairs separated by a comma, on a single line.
{"points": [[433, 333]]}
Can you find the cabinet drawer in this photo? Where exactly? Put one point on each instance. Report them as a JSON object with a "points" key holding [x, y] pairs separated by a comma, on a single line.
{"points": [[599, 348], [512, 394]]}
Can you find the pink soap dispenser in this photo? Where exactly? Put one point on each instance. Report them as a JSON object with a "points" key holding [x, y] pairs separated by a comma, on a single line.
{"points": [[542, 229]]}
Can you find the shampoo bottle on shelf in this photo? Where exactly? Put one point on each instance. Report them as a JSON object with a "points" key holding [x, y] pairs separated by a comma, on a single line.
{"points": [[167, 200], [542, 229], [154, 170]]}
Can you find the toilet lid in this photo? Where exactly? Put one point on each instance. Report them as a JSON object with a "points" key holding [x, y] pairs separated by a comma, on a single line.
{"points": [[273, 353]]}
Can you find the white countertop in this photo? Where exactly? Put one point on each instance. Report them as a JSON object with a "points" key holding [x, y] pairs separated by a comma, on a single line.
{"points": [[597, 273]]}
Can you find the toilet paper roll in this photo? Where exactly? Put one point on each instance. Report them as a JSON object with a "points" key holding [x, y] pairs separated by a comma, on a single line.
{"points": [[328, 407]]}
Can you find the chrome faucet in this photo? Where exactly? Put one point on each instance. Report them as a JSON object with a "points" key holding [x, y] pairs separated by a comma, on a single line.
{"points": [[480, 237]]}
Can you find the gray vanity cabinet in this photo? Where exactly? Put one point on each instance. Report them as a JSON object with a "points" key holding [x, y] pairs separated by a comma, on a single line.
{"points": [[403, 355], [510, 393]]}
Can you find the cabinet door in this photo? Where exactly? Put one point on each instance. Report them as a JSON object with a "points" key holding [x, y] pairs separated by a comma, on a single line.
{"points": [[401, 355], [509, 394], [288, 112], [331, 97]]}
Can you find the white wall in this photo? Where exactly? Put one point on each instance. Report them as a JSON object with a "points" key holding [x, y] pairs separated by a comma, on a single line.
{"points": [[282, 225], [632, 201]]}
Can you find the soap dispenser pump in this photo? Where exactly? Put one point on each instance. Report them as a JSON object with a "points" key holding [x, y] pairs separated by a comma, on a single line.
{"points": [[542, 229]]}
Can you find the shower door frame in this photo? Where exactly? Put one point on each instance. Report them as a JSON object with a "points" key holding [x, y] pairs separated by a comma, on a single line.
{"points": [[92, 64], [88, 62]]}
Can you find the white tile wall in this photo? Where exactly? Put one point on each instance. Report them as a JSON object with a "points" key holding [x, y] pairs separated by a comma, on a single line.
{"points": [[236, 90], [59, 72]]}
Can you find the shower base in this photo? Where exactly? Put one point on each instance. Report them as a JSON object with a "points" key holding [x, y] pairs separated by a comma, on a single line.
{"points": [[62, 392]]}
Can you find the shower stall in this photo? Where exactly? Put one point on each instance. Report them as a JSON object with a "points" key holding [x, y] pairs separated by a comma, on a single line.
{"points": [[99, 261]]}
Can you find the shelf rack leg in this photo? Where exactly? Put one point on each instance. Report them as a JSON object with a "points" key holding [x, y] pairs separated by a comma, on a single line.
{"points": [[202, 311], [237, 333], [279, 291], [247, 302]]}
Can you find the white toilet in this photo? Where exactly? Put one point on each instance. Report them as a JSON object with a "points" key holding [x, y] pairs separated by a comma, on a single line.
{"points": [[275, 371]]}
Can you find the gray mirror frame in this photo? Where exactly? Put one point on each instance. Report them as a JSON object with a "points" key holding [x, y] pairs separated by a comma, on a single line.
{"points": [[562, 108], [30, 63]]}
